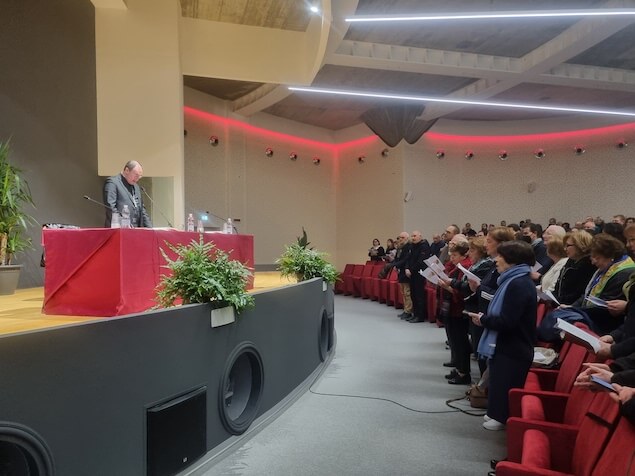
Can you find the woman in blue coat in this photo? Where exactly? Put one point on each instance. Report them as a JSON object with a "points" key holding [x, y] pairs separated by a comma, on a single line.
{"points": [[510, 329]]}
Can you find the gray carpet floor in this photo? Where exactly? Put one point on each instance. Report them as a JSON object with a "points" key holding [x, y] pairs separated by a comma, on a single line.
{"points": [[378, 409]]}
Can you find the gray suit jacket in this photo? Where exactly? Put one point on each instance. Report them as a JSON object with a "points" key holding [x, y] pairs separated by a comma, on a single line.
{"points": [[116, 195]]}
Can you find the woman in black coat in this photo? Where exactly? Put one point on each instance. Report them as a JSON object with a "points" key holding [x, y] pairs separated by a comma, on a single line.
{"points": [[510, 329], [578, 270]]}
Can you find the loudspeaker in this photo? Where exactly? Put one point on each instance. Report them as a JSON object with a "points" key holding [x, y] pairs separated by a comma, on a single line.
{"points": [[176, 433]]}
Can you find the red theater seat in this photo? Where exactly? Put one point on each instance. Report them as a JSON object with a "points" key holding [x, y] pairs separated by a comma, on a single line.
{"points": [[385, 286], [339, 285], [543, 448], [367, 281], [348, 280]]}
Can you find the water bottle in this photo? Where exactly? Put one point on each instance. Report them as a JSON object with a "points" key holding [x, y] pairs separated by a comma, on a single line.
{"points": [[125, 217], [115, 221], [228, 227], [190, 222], [200, 228]]}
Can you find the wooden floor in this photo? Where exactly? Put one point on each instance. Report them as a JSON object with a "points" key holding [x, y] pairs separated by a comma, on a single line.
{"points": [[23, 310]]}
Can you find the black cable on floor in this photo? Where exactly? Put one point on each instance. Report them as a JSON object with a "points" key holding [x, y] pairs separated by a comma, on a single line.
{"points": [[454, 409]]}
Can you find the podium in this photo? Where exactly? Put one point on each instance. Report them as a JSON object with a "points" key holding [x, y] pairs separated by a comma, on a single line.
{"points": [[108, 272]]}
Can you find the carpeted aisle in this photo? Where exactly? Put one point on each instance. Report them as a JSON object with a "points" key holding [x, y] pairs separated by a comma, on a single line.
{"points": [[379, 357]]}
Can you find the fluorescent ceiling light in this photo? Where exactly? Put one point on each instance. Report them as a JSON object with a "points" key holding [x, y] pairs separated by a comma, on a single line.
{"points": [[493, 15], [466, 102]]}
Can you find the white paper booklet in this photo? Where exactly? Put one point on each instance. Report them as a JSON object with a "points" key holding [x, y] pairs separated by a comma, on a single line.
{"points": [[471, 276], [546, 295], [430, 276], [597, 301], [579, 336]]}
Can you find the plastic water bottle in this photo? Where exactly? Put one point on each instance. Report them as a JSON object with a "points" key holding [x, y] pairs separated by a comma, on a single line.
{"points": [[200, 228], [190, 222], [115, 220], [125, 217], [229, 227]]}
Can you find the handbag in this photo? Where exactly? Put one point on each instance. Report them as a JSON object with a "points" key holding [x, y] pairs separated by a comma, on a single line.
{"points": [[477, 397]]}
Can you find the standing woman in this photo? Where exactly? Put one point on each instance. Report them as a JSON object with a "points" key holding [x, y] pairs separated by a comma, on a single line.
{"points": [[376, 252], [510, 329]]}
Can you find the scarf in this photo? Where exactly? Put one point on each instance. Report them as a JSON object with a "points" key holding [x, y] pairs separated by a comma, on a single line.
{"points": [[599, 279], [487, 344]]}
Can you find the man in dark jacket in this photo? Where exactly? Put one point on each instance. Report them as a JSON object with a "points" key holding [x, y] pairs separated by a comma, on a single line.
{"points": [[401, 259], [122, 189], [419, 252]]}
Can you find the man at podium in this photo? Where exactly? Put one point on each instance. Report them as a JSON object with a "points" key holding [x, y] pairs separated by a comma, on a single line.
{"points": [[122, 189]]}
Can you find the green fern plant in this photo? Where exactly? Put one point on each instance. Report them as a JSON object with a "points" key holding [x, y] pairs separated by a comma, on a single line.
{"points": [[203, 273]]}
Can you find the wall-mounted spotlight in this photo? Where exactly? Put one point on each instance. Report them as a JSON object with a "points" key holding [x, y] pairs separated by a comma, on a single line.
{"points": [[579, 150], [269, 152], [503, 155], [622, 144], [361, 159], [213, 141], [539, 153], [440, 154], [385, 153], [316, 161], [469, 155], [293, 156]]}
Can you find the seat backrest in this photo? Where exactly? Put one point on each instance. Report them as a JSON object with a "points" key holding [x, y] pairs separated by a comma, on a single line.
{"points": [[358, 269], [570, 368], [595, 430], [348, 269], [368, 270], [577, 405], [619, 455]]}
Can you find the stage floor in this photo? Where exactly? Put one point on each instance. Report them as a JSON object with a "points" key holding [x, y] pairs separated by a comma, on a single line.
{"points": [[23, 310]]}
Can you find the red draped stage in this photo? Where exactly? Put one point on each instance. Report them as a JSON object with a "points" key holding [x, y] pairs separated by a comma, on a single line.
{"points": [[114, 271]]}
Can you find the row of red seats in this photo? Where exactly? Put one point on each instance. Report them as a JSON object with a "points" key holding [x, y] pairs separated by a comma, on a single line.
{"points": [[362, 280], [558, 429]]}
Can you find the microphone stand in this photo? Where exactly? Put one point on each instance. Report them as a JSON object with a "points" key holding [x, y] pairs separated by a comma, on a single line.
{"points": [[154, 205], [100, 203], [224, 220]]}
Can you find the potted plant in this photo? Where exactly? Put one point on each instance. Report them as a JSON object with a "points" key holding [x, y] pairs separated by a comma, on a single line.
{"points": [[203, 273], [15, 194], [302, 262]]}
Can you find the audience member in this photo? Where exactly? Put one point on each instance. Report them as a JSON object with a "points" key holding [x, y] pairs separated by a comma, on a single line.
{"points": [[436, 245], [621, 219], [551, 231], [419, 252], [486, 289], [556, 252], [533, 234], [376, 252], [391, 250], [449, 233], [457, 326], [577, 270], [510, 329], [616, 230], [400, 263], [614, 268]]}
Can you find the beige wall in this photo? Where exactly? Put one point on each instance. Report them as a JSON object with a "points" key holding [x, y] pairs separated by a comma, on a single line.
{"points": [[139, 91], [273, 197], [486, 189]]}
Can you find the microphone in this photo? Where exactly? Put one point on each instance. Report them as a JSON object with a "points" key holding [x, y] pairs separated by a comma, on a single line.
{"points": [[155, 206], [99, 203]]}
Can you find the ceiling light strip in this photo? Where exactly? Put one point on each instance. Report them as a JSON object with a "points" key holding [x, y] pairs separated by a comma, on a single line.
{"points": [[493, 16], [465, 102]]}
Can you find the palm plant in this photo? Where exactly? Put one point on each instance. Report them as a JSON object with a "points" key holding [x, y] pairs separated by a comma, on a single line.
{"points": [[14, 195]]}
